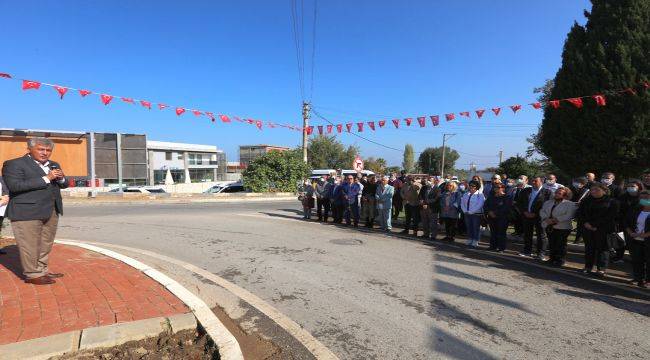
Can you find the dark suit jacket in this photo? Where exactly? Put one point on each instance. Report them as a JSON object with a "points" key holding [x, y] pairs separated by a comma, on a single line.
{"points": [[524, 195], [31, 198], [5, 189]]}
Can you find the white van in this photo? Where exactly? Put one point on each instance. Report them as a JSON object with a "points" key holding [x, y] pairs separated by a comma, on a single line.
{"points": [[316, 174]]}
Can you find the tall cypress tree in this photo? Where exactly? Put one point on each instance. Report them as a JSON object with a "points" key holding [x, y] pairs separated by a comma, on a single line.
{"points": [[609, 53]]}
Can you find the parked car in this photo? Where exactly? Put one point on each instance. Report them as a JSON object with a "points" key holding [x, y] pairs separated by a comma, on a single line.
{"points": [[140, 189], [228, 188]]}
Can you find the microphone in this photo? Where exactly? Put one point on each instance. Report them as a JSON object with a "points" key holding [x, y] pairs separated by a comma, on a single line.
{"points": [[54, 167]]}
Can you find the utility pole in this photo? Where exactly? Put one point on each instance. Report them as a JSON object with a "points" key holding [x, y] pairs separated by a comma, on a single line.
{"points": [[500, 156], [444, 142], [306, 109]]}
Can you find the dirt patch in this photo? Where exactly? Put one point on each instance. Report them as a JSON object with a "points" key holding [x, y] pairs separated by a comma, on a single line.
{"points": [[252, 346], [186, 344]]}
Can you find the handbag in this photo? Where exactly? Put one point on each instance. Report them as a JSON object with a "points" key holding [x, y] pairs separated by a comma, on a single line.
{"points": [[616, 241]]}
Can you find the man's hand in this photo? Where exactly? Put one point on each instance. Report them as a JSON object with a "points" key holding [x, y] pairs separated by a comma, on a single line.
{"points": [[4, 200], [492, 214], [53, 174]]}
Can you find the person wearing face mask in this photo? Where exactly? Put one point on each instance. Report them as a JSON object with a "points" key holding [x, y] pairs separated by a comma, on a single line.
{"points": [[397, 184], [368, 201], [557, 215], [450, 210], [352, 194], [307, 199], [471, 204], [322, 198], [551, 183], [638, 230], [497, 208], [580, 191], [591, 178], [479, 180], [530, 202], [411, 196], [487, 188], [608, 180], [425, 213], [628, 201], [384, 196], [598, 212], [337, 198], [516, 216]]}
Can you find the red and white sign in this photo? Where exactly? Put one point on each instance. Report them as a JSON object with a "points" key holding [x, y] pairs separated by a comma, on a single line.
{"points": [[357, 164]]}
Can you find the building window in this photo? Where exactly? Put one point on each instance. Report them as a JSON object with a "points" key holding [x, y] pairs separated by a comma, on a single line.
{"points": [[168, 155], [192, 159], [180, 156], [199, 159], [213, 159], [201, 175]]}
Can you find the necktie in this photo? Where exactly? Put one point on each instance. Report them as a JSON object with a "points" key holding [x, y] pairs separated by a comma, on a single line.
{"points": [[468, 200]]}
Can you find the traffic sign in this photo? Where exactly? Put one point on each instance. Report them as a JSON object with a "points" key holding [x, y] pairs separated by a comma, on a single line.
{"points": [[357, 164]]}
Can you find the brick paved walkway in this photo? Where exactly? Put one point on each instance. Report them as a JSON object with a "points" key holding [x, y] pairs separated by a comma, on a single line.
{"points": [[95, 291]]}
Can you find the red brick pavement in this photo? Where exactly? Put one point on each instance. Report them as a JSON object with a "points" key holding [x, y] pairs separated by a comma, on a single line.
{"points": [[95, 291]]}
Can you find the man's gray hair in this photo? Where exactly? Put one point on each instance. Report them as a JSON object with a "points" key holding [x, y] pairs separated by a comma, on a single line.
{"points": [[386, 177], [31, 142]]}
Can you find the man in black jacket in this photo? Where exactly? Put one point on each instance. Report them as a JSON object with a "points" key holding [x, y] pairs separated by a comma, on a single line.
{"points": [[35, 204], [529, 202], [4, 199]]}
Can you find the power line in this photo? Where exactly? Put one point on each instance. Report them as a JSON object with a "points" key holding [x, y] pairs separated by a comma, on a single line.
{"points": [[355, 134], [313, 50], [297, 37]]}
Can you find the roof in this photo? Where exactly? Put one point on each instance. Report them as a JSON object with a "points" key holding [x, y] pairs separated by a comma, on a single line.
{"points": [[41, 132], [164, 145], [265, 145]]}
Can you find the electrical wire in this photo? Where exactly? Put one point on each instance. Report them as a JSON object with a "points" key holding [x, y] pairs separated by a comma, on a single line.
{"points": [[355, 134], [297, 37], [313, 51]]}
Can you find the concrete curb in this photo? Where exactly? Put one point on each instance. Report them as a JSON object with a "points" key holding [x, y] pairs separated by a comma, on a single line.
{"points": [[96, 337], [226, 343], [77, 201]]}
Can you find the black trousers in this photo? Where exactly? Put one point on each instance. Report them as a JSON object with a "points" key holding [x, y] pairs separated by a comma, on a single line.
{"points": [[337, 212], [322, 208], [412, 220], [640, 251], [557, 244], [596, 250], [534, 226], [451, 224], [498, 228], [517, 223]]}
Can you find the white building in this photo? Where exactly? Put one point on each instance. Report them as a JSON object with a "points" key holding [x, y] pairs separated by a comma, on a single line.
{"points": [[186, 162]]}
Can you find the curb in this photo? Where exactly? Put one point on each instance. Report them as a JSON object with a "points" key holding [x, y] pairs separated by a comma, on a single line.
{"points": [[75, 201], [96, 337], [226, 343]]}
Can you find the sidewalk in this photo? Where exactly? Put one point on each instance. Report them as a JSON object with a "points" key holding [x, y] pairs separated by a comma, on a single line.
{"points": [[95, 291]]}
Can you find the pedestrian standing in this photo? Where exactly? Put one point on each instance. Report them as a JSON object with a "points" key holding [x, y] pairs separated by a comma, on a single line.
{"points": [[431, 208], [497, 209], [369, 201], [450, 210], [397, 183], [35, 204], [530, 203], [551, 183], [410, 194], [557, 215], [598, 212], [638, 229], [627, 201], [471, 205], [516, 217], [580, 190], [609, 179], [322, 198], [337, 199], [591, 178], [307, 199], [352, 194], [384, 196]]}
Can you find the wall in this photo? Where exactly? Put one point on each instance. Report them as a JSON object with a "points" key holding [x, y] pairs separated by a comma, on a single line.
{"points": [[71, 153]]}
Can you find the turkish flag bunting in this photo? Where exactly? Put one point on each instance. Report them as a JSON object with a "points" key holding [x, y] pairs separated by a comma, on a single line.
{"points": [[479, 113], [224, 118], [31, 85], [408, 121], [339, 128], [577, 102], [371, 124], [329, 129], [422, 121], [258, 123], [515, 108], [348, 126], [309, 130], [83, 93], [106, 98], [600, 100], [435, 120], [210, 115], [162, 106], [360, 127], [320, 129], [237, 119], [197, 113], [5, 75], [536, 105], [496, 111], [396, 123], [464, 113], [450, 117], [381, 123], [128, 100], [179, 111], [554, 103], [146, 104], [270, 124], [61, 90]]}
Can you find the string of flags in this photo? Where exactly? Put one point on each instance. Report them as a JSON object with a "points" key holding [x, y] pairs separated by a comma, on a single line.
{"points": [[575, 102]]}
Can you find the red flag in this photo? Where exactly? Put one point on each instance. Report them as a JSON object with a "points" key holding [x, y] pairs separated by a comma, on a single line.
{"points": [[162, 106], [145, 104], [309, 130], [5, 75], [329, 129], [600, 100], [31, 85], [536, 105], [515, 108], [250, 121], [408, 121], [577, 102], [83, 93], [464, 113], [450, 117], [479, 113], [339, 128], [61, 90], [179, 111], [320, 129], [371, 124], [396, 123], [554, 103], [435, 120], [197, 113], [496, 111], [348, 126], [128, 100], [422, 121], [360, 127], [224, 118], [258, 123], [106, 98], [382, 123]]}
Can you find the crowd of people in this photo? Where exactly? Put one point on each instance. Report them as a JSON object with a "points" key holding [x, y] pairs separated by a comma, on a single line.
{"points": [[610, 218]]}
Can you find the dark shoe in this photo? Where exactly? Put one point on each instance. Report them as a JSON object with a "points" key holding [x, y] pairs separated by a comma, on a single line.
{"points": [[54, 275], [43, 280], [2, 252], [587, 271]]}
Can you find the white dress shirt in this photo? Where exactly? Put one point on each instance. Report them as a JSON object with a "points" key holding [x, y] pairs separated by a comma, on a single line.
{"points": [[46, 169]]}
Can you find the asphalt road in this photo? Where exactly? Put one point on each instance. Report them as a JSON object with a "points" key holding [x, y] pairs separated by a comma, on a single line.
{"points": [[372, 296]]}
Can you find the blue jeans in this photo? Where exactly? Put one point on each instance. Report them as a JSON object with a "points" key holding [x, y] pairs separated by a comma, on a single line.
{"points": [[352, 211], [473, 224]]}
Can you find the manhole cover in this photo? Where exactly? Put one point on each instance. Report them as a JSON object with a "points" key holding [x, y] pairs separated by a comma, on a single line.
{"points": [[346, 242]]}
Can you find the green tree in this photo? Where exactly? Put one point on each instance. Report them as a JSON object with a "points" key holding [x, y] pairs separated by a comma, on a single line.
{"points": [[431, 158], [326, 152], [378, 165], [610, 52], [393, 169], [408, 163], [276, 171], [518, 165]]}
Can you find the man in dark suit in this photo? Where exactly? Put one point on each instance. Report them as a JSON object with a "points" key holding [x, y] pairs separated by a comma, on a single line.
{"points": [[35, 204], [529, 202], [4, 199]]}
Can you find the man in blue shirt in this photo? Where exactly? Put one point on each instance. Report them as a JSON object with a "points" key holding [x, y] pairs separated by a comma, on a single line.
{"points": [[352, 192], [529, 202]]}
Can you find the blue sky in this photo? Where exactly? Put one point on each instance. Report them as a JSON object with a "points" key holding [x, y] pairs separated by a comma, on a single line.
{"points": [[374, 60]]}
